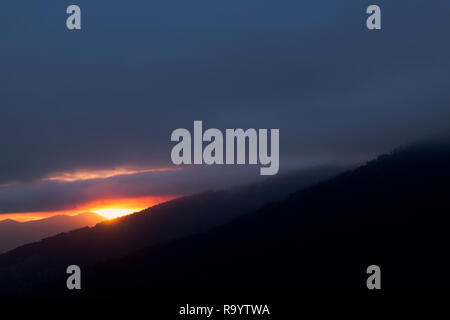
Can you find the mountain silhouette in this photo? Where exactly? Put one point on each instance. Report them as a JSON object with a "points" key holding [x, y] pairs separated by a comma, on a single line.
{"points": [[14, 234], [154, 226], [392, 212], [317, 242]]}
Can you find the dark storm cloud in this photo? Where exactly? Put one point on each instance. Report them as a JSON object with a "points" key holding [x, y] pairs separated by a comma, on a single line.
{"points": [[111, 94]]}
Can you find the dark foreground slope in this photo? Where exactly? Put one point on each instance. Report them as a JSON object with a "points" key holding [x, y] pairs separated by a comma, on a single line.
{"points": [[37, 264], [392, 212]]}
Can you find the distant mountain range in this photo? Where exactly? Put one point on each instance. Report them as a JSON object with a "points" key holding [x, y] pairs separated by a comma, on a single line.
{"points": [[14, 234]]}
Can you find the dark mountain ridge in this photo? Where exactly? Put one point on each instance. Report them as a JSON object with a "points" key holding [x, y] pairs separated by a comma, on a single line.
{"points": [[392, 212], [41, 262]]}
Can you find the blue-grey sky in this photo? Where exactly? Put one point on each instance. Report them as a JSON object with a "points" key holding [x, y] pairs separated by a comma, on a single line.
{"points": [[110, 95]]}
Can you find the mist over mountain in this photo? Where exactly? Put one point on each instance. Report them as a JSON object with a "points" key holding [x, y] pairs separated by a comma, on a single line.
{"points": [[392, 212], [159, 224], [14, 234], [318, 241]]}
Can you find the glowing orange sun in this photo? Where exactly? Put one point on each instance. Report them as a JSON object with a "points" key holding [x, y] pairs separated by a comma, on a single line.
{"points": [[114, 213]]}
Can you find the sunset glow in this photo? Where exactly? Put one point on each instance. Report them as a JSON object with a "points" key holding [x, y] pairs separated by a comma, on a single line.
{"points": [[113, 213], [109, 208]]}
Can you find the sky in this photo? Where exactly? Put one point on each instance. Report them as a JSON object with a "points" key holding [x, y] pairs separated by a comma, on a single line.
{"points": [[86, 116]]}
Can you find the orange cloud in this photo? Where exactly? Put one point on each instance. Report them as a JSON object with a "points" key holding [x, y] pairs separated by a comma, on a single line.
{"points": [[99, 174]]}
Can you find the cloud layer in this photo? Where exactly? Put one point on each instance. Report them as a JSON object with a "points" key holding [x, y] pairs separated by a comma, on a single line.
{"points": [[110, 95]]}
